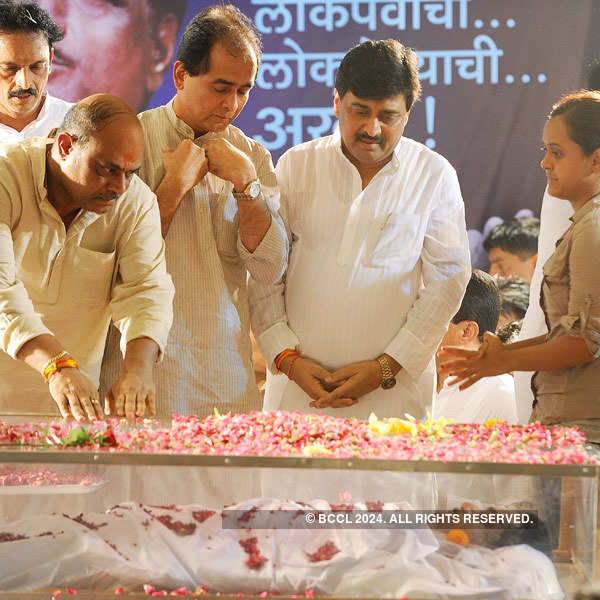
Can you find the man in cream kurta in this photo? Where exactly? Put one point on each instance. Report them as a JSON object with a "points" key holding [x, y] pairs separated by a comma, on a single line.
{"points": [[208, 362], [69, 282], [379, 259]]}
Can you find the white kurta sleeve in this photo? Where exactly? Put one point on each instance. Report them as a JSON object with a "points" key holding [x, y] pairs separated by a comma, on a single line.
{"points": [[142, 297], [446, 270], [268, 316], [268, 262], [19, 322]]}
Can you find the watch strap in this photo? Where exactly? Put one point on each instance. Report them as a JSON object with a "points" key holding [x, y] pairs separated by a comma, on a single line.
{"points": [[388, 381], [384, 365]]}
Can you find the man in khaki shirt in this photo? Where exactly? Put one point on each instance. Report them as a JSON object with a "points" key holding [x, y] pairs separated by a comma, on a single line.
{"points": [[80, 243]]}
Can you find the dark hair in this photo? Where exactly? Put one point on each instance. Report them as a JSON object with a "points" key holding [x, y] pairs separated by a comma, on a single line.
{"points": [[380, 69], [514, 295], [518, 236], [581, 111], [28, 17], [481, 303], [223, 23], [84, 119], [165, 7]]}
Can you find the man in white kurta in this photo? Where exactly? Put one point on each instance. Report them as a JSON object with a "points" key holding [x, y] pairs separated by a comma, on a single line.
{"points": [[26, 52], [379, 259], [487, 399], [492, 398], [478, 314], [208, 362], [62, 278]]}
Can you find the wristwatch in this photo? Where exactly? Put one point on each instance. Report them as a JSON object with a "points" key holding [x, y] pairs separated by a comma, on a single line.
{"points": [[250, 192], [388, 380]]}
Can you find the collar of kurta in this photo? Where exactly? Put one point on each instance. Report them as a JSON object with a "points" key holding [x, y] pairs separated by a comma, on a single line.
{"points": [[591, 204], [44, 108], [184, 130], [40, 116], [336, 143]]}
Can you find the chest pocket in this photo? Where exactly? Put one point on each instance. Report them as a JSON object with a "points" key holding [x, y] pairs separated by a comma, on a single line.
{"points": [[555, 287], [556, 278], [90, 279], [395, 240], [224, 216]]}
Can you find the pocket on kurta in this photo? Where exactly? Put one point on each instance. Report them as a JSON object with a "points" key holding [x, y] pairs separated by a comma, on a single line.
{"points": [[224, 214], [395, 241], [91, 278]]}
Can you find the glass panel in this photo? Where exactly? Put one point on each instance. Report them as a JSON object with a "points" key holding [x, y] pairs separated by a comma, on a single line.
{"points": [[99, 526]]}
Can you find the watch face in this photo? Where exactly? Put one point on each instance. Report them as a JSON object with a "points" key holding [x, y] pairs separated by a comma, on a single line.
{"points": [[388, 384], [254, 189]]}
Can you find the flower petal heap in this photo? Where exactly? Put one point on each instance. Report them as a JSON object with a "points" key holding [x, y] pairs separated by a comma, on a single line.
{"points": [[281, 433]]}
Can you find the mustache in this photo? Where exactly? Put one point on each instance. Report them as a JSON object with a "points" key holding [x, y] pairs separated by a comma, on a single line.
{"points": [[20, 93], [369, 139]]}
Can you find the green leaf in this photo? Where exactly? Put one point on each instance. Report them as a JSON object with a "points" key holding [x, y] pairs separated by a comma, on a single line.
{"points": [[77, 437]]}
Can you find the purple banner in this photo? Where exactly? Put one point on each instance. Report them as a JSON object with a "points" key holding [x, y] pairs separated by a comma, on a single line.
{"points": [[490, 72]]}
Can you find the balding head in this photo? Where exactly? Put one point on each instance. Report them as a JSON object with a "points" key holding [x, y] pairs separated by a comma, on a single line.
{"points": [[92, 114], [97, 150]]}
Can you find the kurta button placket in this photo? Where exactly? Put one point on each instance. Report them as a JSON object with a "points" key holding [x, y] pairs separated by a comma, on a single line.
{"points": [[356, 217]]}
